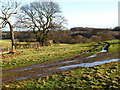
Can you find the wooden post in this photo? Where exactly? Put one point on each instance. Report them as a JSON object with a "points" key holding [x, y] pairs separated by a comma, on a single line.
{"points": [[8, 48]]}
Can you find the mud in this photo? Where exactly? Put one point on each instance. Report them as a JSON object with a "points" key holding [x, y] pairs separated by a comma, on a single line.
{"points": [[53, 67]]}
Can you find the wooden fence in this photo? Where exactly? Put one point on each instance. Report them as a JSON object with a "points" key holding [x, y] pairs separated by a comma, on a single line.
{"points": [[19, 46], [24, 46]]}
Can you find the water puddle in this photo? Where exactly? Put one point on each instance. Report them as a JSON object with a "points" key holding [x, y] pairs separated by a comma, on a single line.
{"points": [[103, 51], [22, 78], [89, 64], [23, 69], [87, 51], [69, 61], [73, 66], [56, 64], [39, 74], [37, 66], [43, 74], [32, 67], [92, 56], [70, 66]]}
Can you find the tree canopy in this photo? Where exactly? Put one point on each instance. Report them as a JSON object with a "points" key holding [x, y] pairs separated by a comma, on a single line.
{"points": [[41, 17]]}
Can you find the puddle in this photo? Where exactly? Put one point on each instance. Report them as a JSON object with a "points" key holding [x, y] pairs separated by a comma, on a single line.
{"points": [[39, 74], [37, 66], [103, 51], [87, 51], [89, 64], [56, 63], [22, 78], [33, 67], [69, 61], [70, 66], [92, 56], [73, 66], [23, 69], [63, 63], [43, 74]]}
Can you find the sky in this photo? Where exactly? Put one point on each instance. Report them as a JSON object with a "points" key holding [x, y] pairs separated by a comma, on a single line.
{"points": [[88, 13], [91, 13]]}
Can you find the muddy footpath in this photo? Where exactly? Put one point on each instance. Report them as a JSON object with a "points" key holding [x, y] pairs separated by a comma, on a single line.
{"points": [[54, 67]]}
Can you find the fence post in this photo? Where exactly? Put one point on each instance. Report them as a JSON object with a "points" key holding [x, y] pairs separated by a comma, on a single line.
{"points": [[8, 48]]}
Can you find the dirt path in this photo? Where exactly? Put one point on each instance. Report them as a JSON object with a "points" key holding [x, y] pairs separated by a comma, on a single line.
{"points": [[53, 67]]}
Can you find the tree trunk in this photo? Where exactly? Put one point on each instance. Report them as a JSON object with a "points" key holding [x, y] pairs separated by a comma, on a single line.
{"points": [[12, 36], [42, 42]]}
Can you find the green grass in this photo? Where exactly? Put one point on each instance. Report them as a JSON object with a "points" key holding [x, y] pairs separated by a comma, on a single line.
{"points": [[42, 54], [103, 76], [48, 53], [113, 41], [5, 43], [114, 47]]}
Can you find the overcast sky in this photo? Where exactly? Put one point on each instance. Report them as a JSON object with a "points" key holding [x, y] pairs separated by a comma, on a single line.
{"points": [[88, 13]]}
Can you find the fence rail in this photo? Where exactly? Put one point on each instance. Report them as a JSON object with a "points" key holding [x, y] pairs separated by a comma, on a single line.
{"points": [[19, 46], [23, 46]]}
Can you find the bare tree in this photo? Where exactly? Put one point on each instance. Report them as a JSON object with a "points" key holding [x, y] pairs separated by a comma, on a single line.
{"points": [[8, 9], [41, 17]]}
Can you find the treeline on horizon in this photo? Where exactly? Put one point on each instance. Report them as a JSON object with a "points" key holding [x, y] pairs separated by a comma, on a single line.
{"points": [[72, 36]]}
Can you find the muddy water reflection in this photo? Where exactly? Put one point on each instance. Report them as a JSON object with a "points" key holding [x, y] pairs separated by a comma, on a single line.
{"points": [[92, 56], [69, 61], [39, 74], [88, 64], [38, 66], [22, 78], [103, 51], [23, 69], [51, 70]]}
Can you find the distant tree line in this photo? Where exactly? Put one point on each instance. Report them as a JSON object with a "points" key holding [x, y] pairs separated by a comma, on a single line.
{"points": [[71, 36]]}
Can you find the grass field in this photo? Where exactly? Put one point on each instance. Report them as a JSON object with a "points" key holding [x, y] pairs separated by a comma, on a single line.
{"points": [[102, 76], [5, 43], [42, 54], [45, 54]]}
